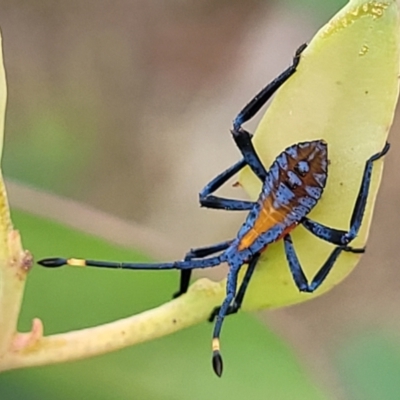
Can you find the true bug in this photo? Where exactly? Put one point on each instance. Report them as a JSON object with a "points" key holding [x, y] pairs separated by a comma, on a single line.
{"points": [[290, 189]]}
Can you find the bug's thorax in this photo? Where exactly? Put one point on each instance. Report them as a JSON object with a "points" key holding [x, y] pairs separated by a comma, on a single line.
{"points": [[293, 186]]}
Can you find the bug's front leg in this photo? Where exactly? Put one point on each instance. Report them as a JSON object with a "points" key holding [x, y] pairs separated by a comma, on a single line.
{"points": [[261, 98], [242, 137], [243, 141]]}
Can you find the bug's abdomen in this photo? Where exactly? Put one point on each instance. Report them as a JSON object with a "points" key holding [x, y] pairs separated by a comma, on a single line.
{"points": [[268, 217], [292, 188]]}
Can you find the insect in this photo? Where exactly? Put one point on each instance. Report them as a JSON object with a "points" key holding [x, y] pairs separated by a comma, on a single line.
{"points": [[291, 187]]}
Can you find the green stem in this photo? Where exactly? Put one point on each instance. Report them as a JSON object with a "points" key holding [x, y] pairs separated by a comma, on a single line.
{"points": [[33, 349], [14, 265]]}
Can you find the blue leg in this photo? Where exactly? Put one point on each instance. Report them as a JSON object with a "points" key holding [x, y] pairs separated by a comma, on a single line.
{"points": [[241, 137], [237, 303], [230, 295], [298, 274], [243, 141], [210, 201], [340, 237], [259, 100], [198, 253]]}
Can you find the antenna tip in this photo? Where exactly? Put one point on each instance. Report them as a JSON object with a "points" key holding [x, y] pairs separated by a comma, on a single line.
{"points": [[52, 262], [217, 363]]}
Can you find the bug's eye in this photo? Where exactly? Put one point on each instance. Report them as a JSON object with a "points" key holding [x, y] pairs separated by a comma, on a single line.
{"points": [[302, 167]]}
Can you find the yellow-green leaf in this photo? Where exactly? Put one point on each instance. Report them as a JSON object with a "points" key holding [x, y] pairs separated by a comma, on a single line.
{"points": [[345, 92], [3, 97]]}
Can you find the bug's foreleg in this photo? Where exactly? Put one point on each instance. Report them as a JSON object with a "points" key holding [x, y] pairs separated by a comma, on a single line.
{"points": [[210, 201], [340, 237], [241, 137], [299, 277], [230, 295], [259, 100], [237, 302], [243, 141], [197, 253]]}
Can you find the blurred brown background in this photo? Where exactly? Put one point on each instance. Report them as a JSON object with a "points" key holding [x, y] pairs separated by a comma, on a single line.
{"points": [[126, 106]]}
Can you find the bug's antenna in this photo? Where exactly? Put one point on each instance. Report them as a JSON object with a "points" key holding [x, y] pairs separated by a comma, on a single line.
{"points": [[182, 265], [217, 358], [54, 262]]}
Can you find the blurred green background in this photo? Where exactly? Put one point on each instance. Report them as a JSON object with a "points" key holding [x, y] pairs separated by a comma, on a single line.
{"points": [[125, 107]]}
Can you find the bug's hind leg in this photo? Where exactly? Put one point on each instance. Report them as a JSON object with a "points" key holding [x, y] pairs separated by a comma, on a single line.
{"points": [[340, 237], [237, 302], [210, 201], [197, 253], [241, 137], [299, 277]]}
